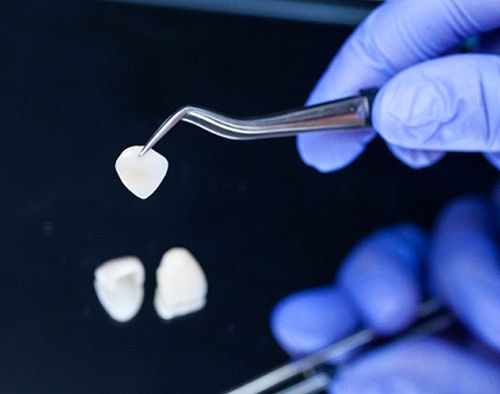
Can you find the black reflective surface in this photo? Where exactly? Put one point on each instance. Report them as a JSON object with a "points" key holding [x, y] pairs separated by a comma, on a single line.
{"points": [[80, 82]]}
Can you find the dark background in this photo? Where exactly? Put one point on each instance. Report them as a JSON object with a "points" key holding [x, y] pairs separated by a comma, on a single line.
{"points": [[81, 81]]}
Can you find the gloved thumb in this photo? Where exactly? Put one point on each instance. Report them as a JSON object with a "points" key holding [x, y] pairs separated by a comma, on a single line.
{"points": [[447, 104]]}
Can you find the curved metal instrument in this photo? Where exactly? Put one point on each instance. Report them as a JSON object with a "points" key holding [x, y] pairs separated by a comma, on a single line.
{"points": [[340, 115]]}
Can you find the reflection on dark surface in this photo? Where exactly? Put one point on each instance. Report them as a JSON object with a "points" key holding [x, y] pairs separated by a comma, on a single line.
{"points": [[337, 12], [82, 82]]}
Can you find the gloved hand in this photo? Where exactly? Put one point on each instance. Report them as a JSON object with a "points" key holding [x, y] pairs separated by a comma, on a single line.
{"points": [[426, 107], [380, 285]]}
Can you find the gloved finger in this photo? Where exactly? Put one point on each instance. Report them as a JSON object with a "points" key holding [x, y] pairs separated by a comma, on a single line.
{"points": [[386, 264], [396, 35], [312, 319], [415, 158], [332, 151], [381, 276], [464, 266], [447, 104], [419, 366], [490, 43]]}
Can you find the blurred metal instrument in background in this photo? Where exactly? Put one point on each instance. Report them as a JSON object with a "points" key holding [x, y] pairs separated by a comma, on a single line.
{"points": [[312, 374]]}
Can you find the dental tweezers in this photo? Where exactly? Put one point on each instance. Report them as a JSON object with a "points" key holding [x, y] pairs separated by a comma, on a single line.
{"points": [[335, 116], [312, 374]]}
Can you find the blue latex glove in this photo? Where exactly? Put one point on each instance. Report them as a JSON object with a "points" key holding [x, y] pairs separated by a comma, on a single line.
{"points": [[380, 285], [426, 107]]}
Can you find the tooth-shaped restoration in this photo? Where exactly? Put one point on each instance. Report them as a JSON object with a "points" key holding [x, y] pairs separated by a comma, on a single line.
{"points": [[181, 284], [119, 285], [141, 175]]}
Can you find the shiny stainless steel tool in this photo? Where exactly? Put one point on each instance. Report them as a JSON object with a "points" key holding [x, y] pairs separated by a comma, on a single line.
{"points": [[334, 116], [432, 318]]}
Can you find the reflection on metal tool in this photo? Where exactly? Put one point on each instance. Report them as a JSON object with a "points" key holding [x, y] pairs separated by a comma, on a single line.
{"points": [[312, 373], [340, 115]]}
